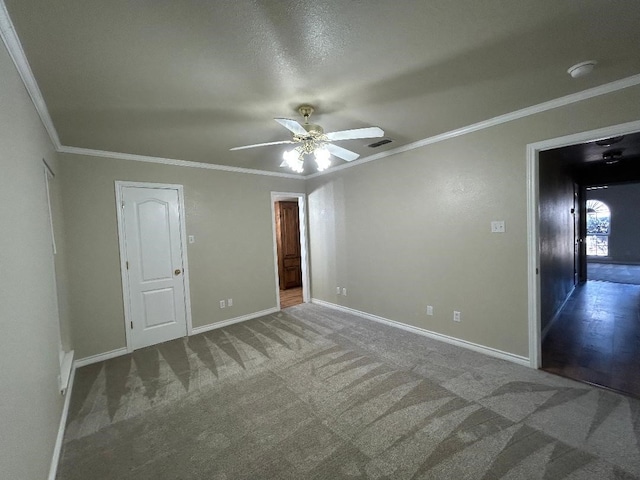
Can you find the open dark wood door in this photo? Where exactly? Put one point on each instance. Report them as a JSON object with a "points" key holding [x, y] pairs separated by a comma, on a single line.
{"points": [[288, 244]]}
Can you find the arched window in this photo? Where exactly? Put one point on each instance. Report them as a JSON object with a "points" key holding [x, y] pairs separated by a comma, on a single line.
{"points": [[598, 228]]}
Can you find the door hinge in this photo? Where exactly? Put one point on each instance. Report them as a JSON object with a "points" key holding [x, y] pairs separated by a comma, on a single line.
{"points": [[132, 325], [122, 204], [127, 264]]}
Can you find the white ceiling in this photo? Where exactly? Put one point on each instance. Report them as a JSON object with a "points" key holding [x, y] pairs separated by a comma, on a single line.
{"points": [[190, 79]]}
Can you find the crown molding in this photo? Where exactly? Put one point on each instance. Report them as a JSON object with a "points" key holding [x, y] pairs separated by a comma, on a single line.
{"points": [[171, 161], [14, 47], [604, 89]]}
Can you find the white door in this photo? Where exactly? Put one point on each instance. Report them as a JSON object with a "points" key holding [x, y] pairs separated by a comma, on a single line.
{"points": [[154, 261]]}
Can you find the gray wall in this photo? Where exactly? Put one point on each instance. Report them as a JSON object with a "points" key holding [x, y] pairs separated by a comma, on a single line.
{"points": [[229, 214], [556, 236], [624, 202], [30, 402], [413, 229]]}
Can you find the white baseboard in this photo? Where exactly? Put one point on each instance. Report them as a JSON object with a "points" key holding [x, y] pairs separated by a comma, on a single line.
{"points": [[434, 335], [81, 362], [231, 321], [57, 449], [100, 357], [546, 329]]}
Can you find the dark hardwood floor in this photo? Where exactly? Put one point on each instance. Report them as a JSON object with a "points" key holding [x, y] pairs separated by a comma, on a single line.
{"points": [[596, 338], [613, 272], [290, 297]]}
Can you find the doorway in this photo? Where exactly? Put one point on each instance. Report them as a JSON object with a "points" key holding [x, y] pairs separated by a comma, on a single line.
{"points": [[153, 255], [580, 327], [288, 213]]}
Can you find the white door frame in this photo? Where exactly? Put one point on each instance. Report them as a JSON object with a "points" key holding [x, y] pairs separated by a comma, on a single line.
{"points": [[304, 241], [119, 185], [533, 221]]}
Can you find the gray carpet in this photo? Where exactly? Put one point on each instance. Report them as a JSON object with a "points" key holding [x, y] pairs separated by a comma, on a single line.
{"points": [[314, 393], [612, 272]]}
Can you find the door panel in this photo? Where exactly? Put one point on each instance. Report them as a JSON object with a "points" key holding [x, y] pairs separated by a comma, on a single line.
{"points": [[288, 245], [159, 308], [154, 253], [154, 226]]}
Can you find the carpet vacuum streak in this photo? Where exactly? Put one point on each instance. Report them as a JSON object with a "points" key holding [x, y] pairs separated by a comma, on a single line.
{"points": [[315, 393]]}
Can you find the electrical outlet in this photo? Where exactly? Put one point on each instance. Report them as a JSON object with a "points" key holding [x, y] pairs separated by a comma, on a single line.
{"points": [[222, 304], [344, 291], [429, 310], [497, 226], [337, 290], [229, 302], [456, 316]]}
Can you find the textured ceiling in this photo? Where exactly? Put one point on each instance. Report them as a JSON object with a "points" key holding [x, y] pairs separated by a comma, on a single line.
{"points": [[190, 79]]}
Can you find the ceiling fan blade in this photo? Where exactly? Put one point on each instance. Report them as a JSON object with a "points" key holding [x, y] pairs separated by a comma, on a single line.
{"points": [[291, 125], [342, 153], [281, 142], [367, 132]]}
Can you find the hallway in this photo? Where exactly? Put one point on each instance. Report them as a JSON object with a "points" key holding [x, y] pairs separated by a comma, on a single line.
{"points": [[290, 297], [596, 338]]}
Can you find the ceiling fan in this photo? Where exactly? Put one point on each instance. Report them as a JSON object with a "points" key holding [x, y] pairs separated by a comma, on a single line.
{"points": [[312, 140]]}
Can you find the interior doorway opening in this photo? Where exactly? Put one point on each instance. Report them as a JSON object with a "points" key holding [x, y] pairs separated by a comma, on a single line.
{"points": [[586, 327], [290, 243]]}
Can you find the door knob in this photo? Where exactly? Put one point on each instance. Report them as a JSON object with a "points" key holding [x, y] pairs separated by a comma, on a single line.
{"points": [[177, 271]]}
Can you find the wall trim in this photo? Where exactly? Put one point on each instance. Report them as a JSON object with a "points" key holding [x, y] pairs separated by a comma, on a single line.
{"points": [[533, 245], [128, 317], [533, 262], [492, 122], [172, 161], [57, 448], [14, 47], [118, 352], [99, 357], [231, 321], [493, 352], [66, 370], [301, 198]]}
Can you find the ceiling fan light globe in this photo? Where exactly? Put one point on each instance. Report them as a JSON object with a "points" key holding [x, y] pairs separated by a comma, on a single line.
{"points": [[297, 166], [322, 167], [289, 155], [322, 157], [293, 160], [321, 154]]}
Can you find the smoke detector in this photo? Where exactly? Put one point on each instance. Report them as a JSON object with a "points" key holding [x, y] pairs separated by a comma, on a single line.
{"points": [[581, 69]]}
